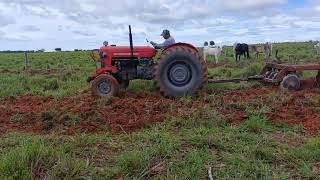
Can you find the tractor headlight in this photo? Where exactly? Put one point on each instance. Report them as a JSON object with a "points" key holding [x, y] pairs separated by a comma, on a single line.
{"points": [[103, 55]]}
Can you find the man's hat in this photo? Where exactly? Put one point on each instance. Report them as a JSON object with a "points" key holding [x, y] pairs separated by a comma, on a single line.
{"points": [[165, 32]]}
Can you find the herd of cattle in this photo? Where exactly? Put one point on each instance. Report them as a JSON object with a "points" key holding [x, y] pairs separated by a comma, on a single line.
{"points": [[242, 49]]}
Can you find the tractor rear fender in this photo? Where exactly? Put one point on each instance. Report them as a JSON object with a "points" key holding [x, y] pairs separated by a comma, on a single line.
{"points": [[189, 46]]}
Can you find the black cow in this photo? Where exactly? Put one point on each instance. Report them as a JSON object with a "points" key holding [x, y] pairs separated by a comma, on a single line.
{"points": [[241, 49]]}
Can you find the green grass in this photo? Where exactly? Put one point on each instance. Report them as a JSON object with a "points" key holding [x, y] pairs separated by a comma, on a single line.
{"points": [[64, 74], [48, 74], [256, 124], [176, 149], [141, 86], [182, 147], [38, 159]]}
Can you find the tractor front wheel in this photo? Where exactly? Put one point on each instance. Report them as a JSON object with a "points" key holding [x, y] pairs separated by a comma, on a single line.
{"points": [[105, 85], [180, 72]]}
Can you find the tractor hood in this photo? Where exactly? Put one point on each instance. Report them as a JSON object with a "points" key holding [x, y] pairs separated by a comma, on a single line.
{"points": [[125, 51]]}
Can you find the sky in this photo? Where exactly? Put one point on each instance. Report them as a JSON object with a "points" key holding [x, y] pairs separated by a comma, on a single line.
{"points": [[85, 24]]}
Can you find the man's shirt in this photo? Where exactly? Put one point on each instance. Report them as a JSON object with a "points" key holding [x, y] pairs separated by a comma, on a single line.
{"points": [[168, 42]]}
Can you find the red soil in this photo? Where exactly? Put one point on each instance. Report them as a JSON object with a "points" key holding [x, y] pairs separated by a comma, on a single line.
{"points": [[309, 83], [301, 109], [236, 102], [128, 113], [137, 110], [297, 108]]}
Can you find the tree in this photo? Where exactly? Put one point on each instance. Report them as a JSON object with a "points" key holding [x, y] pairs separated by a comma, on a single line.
{"points": [[58, 49], [41, 50]]}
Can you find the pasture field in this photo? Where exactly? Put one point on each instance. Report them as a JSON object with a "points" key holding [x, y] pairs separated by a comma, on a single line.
{"points": [[52, 128]]}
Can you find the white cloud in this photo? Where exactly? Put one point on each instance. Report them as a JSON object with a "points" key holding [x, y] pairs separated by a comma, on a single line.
{"points": [[87, 23], [30, 28], [241, 31], [4, 20], [248, 4]]}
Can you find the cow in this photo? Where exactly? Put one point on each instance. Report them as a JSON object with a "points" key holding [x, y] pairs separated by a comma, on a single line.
{"points": [[241, 49], [317, 48], [212, 50], [257, 50], [266, 49]]}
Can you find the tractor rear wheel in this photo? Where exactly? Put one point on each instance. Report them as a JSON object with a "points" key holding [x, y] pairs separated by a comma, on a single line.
{"points": [[180, 72], [290, 82], [105, 85]]}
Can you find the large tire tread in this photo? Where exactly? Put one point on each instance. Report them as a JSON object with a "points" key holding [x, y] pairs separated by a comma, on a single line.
{"points": [[163, 59], [105, 77]]}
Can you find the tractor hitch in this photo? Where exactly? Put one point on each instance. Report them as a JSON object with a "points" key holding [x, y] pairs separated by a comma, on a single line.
{"points": [[236, 80]]}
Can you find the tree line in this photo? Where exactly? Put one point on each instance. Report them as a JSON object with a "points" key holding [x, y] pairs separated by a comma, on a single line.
{"points": [[43, 50]]}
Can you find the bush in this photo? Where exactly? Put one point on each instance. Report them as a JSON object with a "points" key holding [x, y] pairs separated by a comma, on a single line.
{"points": [[70, 119], [51, 85], [133, 162], [253, 69], [257, 124], [48, 119], [17, 118]]}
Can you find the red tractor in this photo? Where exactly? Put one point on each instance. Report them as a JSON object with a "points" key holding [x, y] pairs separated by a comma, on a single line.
{"points": [[180, 71]]}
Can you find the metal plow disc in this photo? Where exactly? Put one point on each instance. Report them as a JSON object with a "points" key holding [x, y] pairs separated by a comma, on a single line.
{"points": [[291, 82]]}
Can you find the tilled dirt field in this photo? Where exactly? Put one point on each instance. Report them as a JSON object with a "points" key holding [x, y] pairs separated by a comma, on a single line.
{"points": [[293, 108], [38, 114], [133, 111]]}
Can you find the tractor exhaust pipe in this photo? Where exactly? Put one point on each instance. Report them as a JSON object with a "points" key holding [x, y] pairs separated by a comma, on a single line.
{"points": [[131, 42]]}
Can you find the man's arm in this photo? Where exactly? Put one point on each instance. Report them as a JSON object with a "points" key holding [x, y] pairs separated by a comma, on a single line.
{"points": [[165, 44], [159, 46], [162, 45]]}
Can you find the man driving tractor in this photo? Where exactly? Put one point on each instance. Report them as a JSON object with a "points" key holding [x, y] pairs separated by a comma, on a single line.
{"points": [[179, 71], [169, 40]]}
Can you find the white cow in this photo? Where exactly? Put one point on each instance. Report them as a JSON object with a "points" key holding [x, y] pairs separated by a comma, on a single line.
{"points": [[215, 51], [268, 47], [317, 48]]}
